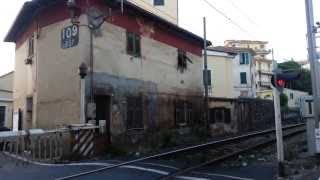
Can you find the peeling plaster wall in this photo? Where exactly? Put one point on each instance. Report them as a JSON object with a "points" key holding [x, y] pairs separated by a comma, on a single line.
{"points": [[24, 82], [153, 76]]}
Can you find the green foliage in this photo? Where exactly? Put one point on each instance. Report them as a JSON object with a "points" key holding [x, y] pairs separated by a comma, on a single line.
{"points": [[201, 132], [116, 151], [283, 100], [167, 139], [304, 83]]}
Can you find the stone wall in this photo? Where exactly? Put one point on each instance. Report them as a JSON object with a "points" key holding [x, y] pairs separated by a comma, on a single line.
{"points": [[245, 115], [254, 114]]}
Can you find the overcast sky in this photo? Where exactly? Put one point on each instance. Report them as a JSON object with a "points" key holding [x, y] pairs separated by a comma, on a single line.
{"points": [[281, 22]]}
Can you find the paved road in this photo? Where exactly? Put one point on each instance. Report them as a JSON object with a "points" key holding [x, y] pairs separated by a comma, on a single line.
{"points": [[12, 169]]}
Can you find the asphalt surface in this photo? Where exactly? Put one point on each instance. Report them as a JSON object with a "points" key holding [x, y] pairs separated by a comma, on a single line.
{"points": [[13, 169]]}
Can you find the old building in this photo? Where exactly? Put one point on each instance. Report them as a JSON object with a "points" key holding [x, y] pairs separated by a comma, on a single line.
{"points": [[167, 9], [6, 92], [146, 70], [263, 65]]}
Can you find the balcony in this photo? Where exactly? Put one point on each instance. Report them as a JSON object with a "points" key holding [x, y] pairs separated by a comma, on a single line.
{"points": [[265, 84], [265, 72]]}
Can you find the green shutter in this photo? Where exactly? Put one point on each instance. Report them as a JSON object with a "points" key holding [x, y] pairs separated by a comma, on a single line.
{"points": [[243, 78], [130, 43], [137, 45]]}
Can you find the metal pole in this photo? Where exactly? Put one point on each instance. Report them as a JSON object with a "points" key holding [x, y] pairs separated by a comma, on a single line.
{"points": [[277, 117], [91, 66], [206, 91], [178, 12], [82, 101], [312, 56]]}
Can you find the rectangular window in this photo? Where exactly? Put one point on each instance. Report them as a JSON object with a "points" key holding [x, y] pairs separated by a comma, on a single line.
{"points": [[291, 95], [243, 78], [220, 115], [134, 113], [244, 58], [2, 116], [184, 112], [31, 46], [29, 104], [207, 75], [158, 2], [310, 107], [133, 44]]}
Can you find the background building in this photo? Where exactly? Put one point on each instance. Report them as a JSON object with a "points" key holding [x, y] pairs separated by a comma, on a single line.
{"points": [[263, 65], [220, 63], [238, 72], [167, 9], [6, 92], [294, 97]]}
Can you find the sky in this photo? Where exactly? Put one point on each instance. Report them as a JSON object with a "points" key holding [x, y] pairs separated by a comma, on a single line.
{"points": [[280, 22]]}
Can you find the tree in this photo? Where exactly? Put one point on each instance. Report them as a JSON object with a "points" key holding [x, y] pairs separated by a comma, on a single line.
{"points": [[304, 83]]}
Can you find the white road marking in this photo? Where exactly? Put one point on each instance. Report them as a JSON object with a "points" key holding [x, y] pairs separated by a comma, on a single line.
{"points": [[221, 175], [130, 167]]}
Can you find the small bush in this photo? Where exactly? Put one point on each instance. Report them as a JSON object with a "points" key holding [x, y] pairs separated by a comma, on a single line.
{"points": [[167, 139], [116, 151], [201, 132]]}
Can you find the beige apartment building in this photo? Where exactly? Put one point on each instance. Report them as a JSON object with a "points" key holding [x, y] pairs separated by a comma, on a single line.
{"points": [[6, 100], [263, 65], [220, 64], [167, 9], [144, 76]]}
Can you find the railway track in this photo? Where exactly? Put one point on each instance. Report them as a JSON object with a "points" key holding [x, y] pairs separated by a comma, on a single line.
{"points": [[216, 150]]}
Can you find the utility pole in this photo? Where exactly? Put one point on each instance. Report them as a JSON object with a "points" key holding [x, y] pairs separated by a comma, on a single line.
{"points": [[277, 117], [312, 124], [205, 75]]}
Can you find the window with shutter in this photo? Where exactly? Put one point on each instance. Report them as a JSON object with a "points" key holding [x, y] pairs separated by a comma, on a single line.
{"points": [[2, 116], [31, 46], [158, 2], [184, 112], [133, 44], [220, 115], [243, 78], [244, 58]]}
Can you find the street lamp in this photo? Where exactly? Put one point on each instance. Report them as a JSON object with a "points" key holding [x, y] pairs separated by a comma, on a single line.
{"points": [[74, 11], [83, 71], [95, 21]]}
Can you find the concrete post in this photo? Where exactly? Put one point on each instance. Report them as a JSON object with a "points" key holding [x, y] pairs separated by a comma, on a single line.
{"points": [[83, 73], [277, 117], [82, 101]]}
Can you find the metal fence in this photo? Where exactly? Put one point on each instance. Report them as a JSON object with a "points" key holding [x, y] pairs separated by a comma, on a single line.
{"points": [[47, 146]]}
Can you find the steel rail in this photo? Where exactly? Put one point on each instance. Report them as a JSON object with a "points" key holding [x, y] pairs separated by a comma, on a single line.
{"points": [[191, 148], [227, 156]]}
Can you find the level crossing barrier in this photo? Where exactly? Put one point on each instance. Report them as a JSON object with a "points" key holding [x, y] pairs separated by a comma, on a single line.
{"points": [[48, 145]]}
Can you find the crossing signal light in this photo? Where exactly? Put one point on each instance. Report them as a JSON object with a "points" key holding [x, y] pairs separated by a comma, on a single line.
{"points": [[281, 83], [279, 79]]}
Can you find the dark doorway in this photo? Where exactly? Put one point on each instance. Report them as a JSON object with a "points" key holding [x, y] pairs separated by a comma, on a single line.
{"points": [[102, 114], [103, 110], [20, 120]]}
